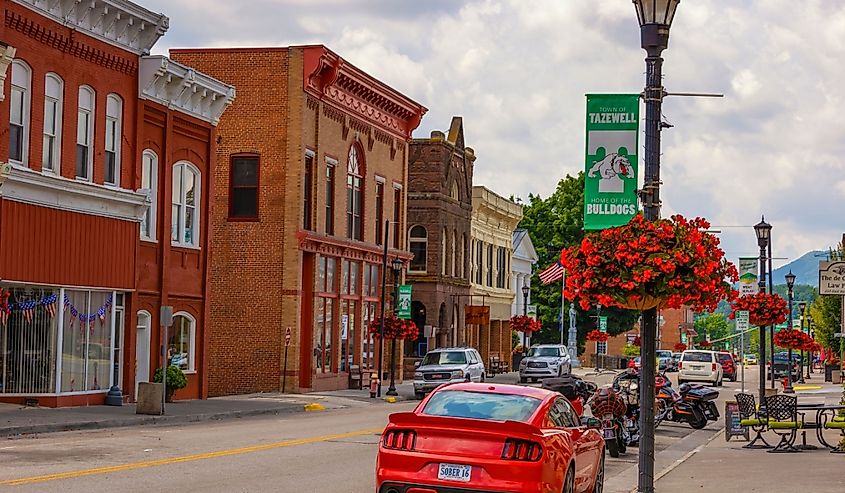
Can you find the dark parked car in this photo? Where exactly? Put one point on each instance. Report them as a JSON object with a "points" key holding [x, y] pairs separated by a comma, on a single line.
{"points": [[728, 365], [781, 366]]}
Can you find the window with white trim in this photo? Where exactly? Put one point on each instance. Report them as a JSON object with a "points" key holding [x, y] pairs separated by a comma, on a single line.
{"points": [[51, 156], [149, 181], [19, 106], [354, 196], [418, 242], [182, 342], [186, 199], [114, 121], [85, 133]]}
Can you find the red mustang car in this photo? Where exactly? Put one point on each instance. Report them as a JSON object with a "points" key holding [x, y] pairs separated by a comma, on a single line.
{"points": [[490, 438]]}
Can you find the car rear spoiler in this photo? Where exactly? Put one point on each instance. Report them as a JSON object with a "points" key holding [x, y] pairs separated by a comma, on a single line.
{"points": [[411, 419]]}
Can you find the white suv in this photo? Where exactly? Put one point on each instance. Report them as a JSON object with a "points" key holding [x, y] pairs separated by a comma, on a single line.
{"points": [[696, 365], [444, 365], [543, 361]]}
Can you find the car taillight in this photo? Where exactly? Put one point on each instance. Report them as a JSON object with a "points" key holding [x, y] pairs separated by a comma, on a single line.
{"points": [[680, 365], [526, 450], [713, 367], [399, 439]]}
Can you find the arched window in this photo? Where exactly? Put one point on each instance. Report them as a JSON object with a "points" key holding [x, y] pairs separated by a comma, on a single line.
{"points": [[53, 100], [114, 123], [181, 342], [19, 115], [85, 133], [418, 240], [354, 195], [454, 191], [149, 181], [186, 200]]}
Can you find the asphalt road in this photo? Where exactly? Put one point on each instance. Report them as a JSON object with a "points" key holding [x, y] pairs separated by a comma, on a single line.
{"points": [[330, 451]]}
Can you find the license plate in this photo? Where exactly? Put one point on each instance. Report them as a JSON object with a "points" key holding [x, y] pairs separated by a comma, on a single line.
{"points": [[629, 423], [437, 376], [609, 433], [697, 367], [454, 472]]}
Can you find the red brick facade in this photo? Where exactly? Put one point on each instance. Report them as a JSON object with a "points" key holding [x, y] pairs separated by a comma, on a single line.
{"points": [[669, 334], [305, 114]]}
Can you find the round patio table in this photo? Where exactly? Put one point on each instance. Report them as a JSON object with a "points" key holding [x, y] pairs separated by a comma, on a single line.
{"points": [[822, 412]]}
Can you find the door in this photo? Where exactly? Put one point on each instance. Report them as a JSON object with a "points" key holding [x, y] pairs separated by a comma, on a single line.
{"points": [[142, 349], [586, 448]]}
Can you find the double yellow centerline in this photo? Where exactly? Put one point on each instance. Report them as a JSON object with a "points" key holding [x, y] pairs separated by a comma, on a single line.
{"points": [[185, 458]]}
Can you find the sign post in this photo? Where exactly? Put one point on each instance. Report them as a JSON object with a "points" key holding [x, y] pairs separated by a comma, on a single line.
{"points": [[285, 371], [166, 319], [610, 173], [403, 306], [742, 327]]}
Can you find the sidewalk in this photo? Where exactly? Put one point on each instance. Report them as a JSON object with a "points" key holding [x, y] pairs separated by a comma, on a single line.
{"points": [[17, 420]]}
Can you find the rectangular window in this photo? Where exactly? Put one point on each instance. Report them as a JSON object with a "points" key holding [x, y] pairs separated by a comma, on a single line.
{"points": [[379, 212], [490, 265], [500, 267], [479, 262], [397, 215], [308, 194], [16, 124], [329, 199], [149, 181], [112, 139], [243, 188], [83, 144], [354, 197], [28, 339], [52, 119]]}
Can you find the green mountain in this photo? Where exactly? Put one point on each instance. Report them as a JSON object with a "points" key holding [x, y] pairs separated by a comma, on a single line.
{"points": [[805, 268]]}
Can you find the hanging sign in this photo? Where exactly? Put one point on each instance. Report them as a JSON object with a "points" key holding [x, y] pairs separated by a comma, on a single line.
{"points": [[602, 324], [531, 311], [476, 315], [344, 327], [832, 278], [748, 275], [403, 305], [610, 178]]}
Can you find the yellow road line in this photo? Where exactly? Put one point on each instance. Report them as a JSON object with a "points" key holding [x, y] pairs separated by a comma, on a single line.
{"points": [[185, 458]]}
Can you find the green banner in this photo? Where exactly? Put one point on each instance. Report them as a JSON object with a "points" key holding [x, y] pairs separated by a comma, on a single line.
{"points": [[403, 305], [610, 179], [602, 324]]}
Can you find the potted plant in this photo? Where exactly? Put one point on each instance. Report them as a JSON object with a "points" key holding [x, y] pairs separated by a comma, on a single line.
{"points": [[176, 380], [649, 264]]}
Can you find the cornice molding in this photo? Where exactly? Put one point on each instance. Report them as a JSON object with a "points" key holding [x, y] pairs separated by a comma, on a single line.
{"points": [[7, 54], [118, 22], [310, 241], [184, 89], [57, 192], [329, 77]]}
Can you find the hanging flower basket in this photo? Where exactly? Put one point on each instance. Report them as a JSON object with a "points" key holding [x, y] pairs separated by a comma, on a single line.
{"points": [[792, 339], [637, 341], [597, 336], [812, 347], [680, 347], [763, 308], [394, 328], [649, 264], [705, 344], [526, 324]]}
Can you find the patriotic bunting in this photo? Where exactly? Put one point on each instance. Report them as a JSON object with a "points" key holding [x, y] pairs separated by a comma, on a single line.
{"points": [[27, 309]]}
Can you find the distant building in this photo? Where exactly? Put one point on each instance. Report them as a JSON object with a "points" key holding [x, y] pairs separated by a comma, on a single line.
{"points": [[313, 159], [439, 230], [522, 265], [494, 219]]}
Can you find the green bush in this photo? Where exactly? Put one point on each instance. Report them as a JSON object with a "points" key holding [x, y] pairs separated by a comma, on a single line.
{"points": [[176, 378], [631, 350]]}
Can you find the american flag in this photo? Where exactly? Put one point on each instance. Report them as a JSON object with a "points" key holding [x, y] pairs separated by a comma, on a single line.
{"points": [[553, 273]]}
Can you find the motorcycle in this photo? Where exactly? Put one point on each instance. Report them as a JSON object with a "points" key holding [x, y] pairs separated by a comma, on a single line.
{"points": [[577, 391], [610, 409], [627, 386], [692, 404]]}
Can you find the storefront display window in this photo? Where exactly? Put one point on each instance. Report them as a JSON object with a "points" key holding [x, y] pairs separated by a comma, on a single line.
{"points": [[28, 340], [181, 342], [86, 340]]}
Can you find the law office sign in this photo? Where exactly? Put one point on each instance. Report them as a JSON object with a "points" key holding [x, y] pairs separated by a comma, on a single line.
{"points": [[832, 277], [610, 174]]}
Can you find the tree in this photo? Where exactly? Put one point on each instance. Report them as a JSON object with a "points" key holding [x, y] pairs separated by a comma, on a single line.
{"points": [[553, 224], [827, 315], [713, 324]]}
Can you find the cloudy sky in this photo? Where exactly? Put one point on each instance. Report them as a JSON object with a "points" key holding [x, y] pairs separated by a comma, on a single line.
{"points": [[517, 71]]}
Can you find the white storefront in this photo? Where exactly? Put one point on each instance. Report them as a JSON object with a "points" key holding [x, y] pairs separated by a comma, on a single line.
{"points": [[522, 264]]}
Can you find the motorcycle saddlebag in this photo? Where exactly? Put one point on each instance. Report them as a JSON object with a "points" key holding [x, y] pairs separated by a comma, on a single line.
{"points": [[565, 385], [703, 393]]}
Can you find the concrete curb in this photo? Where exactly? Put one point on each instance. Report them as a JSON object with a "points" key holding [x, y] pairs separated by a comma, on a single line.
{"points": [[140, 420]]}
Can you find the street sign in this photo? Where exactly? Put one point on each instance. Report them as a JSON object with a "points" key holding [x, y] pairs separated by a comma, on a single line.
{"points": [[832, 277], [403, 306], [287, 337], [610, 173], [741, 318], [603, 324], [166, 315], [683, 337]]}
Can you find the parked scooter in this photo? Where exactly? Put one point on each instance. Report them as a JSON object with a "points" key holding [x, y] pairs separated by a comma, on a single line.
{"points": [[692, 403], [610, 408]]}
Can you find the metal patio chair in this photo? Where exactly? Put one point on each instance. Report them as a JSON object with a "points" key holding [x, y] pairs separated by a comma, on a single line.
{"points": [[782, 411], [751, 417]]}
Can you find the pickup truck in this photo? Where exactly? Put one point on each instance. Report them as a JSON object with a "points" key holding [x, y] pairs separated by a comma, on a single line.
{"points": [[781, 366]]}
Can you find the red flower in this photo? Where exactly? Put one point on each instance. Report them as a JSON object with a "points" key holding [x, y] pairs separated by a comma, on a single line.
{"points": [[792, 339], [597, 336], [763, 309], [526, 324], [394, 328], [680, 347], [705, 344], [637, 341], [664, 263]]}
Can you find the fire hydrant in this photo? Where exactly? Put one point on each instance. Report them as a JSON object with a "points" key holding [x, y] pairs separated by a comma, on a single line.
{"points": [[373, 385]]}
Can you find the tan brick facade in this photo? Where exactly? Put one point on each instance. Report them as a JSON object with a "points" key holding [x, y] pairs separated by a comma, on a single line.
{"points": [[304, 112]]}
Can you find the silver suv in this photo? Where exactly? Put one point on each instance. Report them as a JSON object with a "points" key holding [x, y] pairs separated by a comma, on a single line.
{"points": [[543, 361], [444, 365]]}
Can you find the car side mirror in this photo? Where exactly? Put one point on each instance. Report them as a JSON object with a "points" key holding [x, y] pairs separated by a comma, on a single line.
{"points": [[417, 364], [590, 422]]}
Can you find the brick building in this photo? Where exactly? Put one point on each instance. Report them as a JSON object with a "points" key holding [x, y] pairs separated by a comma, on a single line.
{"points": [[439, 218], [98, 138], [312, 160], [494, 219]]}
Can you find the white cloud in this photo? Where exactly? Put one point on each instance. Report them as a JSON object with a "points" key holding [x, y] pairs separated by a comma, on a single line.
{"points": [[517, 71]]}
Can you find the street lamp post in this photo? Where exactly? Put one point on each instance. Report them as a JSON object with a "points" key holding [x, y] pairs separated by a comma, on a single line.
{"points": [[810, 324], [802, 306], [762, 230], [526, 337], [655, 19], [396, 266], [790, 282]]}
